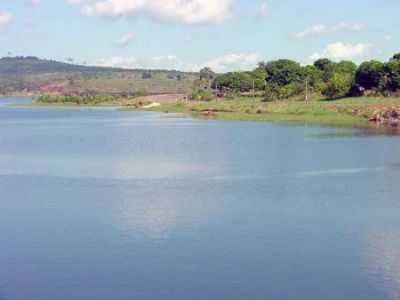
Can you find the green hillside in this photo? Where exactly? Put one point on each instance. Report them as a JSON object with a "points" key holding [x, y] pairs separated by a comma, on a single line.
{"points": [[31, 75]]}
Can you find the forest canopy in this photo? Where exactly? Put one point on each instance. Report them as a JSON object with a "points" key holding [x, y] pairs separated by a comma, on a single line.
{"points": [[284, 78]]}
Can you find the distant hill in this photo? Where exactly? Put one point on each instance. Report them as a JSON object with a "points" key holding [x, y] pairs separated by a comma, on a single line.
{"points": [[31, 75]]}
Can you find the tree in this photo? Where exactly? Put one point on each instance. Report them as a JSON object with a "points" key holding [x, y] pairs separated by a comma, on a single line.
{"points": [[326, 66], [396, 56], [369, 74], [339, 85], [261, 65], [201, 92], [207, 74], [271, 92], [312, 74], [147, 75], [234, 81], [283, 72], [392, 75], [323, 64], [345, 67], [258, 76]]}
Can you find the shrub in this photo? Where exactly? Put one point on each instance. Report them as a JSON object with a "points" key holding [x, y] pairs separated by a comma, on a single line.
{"points": [[339, 85], [369, 74]]}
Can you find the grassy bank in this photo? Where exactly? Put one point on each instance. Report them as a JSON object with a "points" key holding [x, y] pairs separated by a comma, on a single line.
{"points": [[343, 112], [98, 100]]}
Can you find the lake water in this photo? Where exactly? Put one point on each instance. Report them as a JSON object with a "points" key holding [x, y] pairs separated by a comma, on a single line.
{"points": [[105, 204]]}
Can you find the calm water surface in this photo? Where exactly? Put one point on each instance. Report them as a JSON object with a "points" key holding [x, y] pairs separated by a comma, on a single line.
{"points": [[104, 204]]}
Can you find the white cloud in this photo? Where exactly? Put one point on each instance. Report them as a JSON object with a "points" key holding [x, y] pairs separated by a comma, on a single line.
{"points": [[167, 62], [322, 29], [126, 39], [339, 50], [182, 11], [231, 62], [388, 37], [234, 62], [117, 62], [5, 18], [264, 9], [33, 2], [74, 1]]}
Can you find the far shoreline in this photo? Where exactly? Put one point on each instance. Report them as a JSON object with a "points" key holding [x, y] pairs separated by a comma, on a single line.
{"points": [[337, 113]]}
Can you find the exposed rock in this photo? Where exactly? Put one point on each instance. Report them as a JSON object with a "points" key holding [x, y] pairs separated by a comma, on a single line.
{"points": [[389, 116], [208, 113]]}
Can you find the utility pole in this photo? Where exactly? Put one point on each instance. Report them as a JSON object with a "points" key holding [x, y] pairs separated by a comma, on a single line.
{"points": [[265, 89], [218, 91], [254, 88], [306, 93]]}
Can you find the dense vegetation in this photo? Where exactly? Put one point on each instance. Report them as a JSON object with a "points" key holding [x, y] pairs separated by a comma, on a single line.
{"points": [[283, 79]]}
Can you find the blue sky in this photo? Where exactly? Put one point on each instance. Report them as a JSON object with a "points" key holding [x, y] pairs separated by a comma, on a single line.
{"points": [[189, 34]]}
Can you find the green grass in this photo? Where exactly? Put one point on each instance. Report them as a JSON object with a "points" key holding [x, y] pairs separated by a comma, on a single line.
{"points": [[337, 113], [343, 112]]}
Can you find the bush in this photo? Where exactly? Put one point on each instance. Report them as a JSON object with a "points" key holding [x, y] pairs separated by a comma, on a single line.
{"points": [[339, 85], [203, 95], [235, 81], [369, 74], [283, 72], [391, 79]]}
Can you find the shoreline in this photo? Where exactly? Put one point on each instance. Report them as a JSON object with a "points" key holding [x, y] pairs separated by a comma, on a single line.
{"points": [[346, 112], [214, 111], [273, 117]]}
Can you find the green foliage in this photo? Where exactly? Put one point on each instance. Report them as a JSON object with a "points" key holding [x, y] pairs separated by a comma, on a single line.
{"points": [[258, 75], [279, 79], [370, 74], [396, 56], [78, 100], [323, 64], [313, 75], [237, 82], [287, 79], [391, 80], [276, 92], [203, 95], [283, 72], [207, 74], [234, 81], [271, 92], [284, 79], [339, 85], [202, 91], [335, 79], [345, 66]]}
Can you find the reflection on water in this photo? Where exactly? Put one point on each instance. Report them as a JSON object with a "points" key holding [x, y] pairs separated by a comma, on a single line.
{"points": [[150, 168], [155, 215], [361, 133], [334, 172], [104, 204], [382, 255], [153, 219]]}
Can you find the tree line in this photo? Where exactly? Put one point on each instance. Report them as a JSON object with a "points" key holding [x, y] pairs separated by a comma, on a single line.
{"points": [[283, 78]]}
